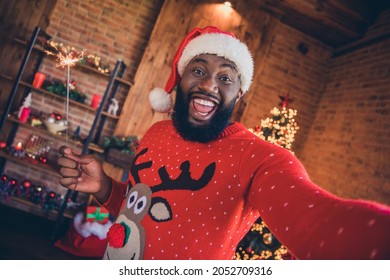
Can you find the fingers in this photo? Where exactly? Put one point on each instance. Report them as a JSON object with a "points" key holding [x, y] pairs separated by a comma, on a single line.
{"points": [[68, 153], [69, 172], [70, 183]]}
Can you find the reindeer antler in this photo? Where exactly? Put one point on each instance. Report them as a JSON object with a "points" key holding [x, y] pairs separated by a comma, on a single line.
{"points": [[184, 180], [135, 168]]}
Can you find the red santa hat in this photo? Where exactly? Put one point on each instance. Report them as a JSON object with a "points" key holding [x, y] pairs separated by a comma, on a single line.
{"points": [[208, 40]]}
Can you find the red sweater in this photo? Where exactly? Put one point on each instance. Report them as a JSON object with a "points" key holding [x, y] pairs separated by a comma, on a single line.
{"points": [[205, 197]]}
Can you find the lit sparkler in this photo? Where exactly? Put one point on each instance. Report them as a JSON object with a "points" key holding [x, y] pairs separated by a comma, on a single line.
{"points": [[66, 56]]}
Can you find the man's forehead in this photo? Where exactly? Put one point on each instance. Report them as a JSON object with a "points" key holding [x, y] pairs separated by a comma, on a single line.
{"points": [[211, 58]]}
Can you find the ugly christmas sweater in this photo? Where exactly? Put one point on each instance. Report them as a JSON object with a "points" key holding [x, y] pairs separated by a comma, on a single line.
{"points": [[190, 200]]}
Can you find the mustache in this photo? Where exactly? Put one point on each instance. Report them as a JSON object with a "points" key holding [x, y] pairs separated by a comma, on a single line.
{"points": [[204, 93]]}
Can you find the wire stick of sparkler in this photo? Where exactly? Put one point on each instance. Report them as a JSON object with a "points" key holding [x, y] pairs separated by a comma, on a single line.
{"points": [[66, 57], [67, 106]]}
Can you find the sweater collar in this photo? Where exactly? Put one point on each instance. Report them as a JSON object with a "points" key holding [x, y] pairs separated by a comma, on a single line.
{"points": [[232, 129]]}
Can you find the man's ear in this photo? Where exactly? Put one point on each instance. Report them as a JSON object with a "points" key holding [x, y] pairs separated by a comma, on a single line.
{"points": [[239, 95]]}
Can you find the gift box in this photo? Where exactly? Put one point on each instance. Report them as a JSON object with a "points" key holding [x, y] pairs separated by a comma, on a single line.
{"points": [[97, 214]]}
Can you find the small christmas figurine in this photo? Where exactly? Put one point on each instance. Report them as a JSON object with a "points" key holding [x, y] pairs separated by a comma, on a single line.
{"points": [[113, 108], [24, 110]]}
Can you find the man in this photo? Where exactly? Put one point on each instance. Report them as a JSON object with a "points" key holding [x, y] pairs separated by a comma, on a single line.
{"points": [[197, 183]]}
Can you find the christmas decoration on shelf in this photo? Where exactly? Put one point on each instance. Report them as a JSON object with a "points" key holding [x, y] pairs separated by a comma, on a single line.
{"points": [[44, 197], [280, 129], [55, 123], [259, 243], [113, 107], [3, 144], [24, 110], [17, 150], [83, 58], [58, 87], [126, 144], [120, 150], [37, 148]]}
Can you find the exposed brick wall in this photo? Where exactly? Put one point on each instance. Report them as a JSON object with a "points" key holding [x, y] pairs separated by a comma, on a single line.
{"points": [[288, 71], [348, 148]]}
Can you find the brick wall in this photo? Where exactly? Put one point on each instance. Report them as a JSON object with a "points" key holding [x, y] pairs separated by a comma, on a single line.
{"points": [[288, 71], [348, 148]]}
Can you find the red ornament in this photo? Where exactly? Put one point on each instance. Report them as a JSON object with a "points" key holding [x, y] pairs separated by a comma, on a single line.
{"points": [[3, 144], [43, 159], [26, 183], [4, 178], [116, 236]]}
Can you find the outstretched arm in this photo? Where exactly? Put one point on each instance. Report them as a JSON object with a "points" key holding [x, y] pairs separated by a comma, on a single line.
{"points": [[311, 222]]}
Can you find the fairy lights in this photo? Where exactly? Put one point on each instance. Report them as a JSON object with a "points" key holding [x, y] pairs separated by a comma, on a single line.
{"points": [[280, 129]]}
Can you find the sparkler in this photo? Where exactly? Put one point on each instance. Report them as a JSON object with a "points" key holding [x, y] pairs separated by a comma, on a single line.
{"points": [[66, 56]]}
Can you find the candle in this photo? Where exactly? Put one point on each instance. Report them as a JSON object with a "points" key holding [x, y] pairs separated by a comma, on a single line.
{"points": [[95, 101], [24, 115], [38, 79], [18, 146]]}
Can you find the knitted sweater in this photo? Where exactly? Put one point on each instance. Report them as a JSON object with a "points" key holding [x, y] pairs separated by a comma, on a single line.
{"points": [[200, 200]]}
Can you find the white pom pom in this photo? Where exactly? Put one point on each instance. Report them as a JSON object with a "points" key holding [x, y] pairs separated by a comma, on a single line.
{"points": [[160, 100]]}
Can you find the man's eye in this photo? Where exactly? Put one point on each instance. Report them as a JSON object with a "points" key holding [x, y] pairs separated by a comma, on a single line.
{"points": [[198, 71], [225, 79]]}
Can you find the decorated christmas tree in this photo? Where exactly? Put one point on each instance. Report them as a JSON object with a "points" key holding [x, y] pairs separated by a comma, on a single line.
{"points": [[279, 129]]}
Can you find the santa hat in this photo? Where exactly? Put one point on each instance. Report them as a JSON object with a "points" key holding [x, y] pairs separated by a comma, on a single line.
{"points": [[208, 40]]}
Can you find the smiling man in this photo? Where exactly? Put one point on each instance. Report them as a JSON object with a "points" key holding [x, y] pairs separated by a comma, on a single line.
{"points": [[198, 182]]}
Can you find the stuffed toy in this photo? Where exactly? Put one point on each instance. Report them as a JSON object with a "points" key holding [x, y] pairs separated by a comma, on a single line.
{"points": [[87, 236]]}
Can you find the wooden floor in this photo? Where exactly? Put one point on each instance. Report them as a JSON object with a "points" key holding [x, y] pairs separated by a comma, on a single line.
{"points": [[24, 236]]}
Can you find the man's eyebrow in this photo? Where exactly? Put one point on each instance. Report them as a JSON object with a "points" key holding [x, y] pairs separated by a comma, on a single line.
{"points": [[229, 65]]}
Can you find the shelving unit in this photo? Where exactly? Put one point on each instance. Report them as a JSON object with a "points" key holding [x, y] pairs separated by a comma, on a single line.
{"points": [[90, 143]]}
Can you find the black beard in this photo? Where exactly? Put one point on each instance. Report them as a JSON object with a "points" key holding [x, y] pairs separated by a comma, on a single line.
{"points": [[204, 133]]}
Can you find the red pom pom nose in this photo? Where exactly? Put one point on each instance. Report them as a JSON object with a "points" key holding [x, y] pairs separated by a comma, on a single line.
{"points": [[118, 235]]}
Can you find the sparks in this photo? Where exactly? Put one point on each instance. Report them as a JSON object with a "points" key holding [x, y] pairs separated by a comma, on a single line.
{"points": [[66, 56]]}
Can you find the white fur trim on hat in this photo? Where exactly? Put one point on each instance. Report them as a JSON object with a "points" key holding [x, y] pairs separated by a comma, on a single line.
{"points": [[160, 100], [221, 45]]}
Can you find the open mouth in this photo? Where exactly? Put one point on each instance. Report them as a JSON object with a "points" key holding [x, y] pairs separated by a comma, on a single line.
{"points": [[202, 108]]}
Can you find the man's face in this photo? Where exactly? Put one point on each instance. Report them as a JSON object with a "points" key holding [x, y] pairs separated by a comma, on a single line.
{"points": [[206, 96]]}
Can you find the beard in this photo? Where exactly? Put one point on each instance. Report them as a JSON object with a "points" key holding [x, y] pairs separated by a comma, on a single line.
{"points": [[199, 133]]}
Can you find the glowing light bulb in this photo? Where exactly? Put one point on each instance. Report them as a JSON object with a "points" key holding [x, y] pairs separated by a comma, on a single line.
{"points": [[227, 4]]}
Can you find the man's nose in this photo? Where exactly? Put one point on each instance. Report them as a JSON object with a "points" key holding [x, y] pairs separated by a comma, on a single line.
{"points": [[209, 84]]}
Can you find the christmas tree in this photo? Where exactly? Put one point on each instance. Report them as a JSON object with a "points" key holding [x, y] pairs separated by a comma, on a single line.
{"points": [[279, 129]]}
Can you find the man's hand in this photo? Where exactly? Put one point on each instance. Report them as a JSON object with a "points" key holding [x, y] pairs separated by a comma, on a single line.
{"points": [[83, 173]]}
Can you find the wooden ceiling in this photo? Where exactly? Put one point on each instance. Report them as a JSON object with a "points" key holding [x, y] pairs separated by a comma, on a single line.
{"points": [[334, 22]]}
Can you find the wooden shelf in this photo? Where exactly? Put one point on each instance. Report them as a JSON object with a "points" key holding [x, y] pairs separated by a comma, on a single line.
{"points": [[80, 65], [41, 131], [38, 166], [28, 206], [48, 93]]}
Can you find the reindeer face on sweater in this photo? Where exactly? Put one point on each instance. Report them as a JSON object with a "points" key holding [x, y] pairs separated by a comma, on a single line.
{"points": [[126, 238]]}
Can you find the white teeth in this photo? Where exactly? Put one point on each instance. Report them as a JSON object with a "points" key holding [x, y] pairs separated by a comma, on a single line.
{"points": [[204, 102]]}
